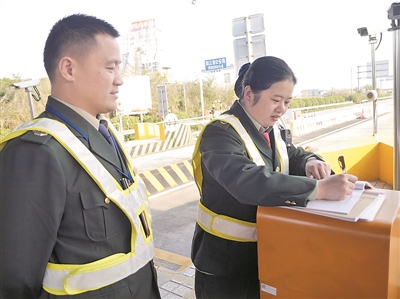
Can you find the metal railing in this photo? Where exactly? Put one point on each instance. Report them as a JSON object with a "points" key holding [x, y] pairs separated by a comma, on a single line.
{"points": [[189, 121], [336, 104]]}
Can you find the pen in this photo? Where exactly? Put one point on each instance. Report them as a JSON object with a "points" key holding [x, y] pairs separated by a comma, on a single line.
{"points": [[342, 164]]}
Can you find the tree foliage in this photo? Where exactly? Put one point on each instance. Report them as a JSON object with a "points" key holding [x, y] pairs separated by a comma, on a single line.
{"points": [[184, 100], [14, 104]]}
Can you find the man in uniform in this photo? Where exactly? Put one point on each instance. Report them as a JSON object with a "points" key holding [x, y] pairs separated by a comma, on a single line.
{"points": [[74, 216]]}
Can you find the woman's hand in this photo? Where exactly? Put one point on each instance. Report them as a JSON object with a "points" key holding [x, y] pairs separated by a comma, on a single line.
{"points": [[336, 187], [316, 169]]}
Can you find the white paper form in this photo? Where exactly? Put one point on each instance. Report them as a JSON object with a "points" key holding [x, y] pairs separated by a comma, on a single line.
{"points": [[337, 206], [370, 212]]}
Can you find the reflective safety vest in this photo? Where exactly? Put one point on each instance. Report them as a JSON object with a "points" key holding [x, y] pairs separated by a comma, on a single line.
{"points": [[69, 279], [224, 226]]}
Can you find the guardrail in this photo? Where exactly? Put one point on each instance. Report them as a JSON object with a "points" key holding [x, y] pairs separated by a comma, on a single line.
{"points": [[337, 104], [189, 121], [300, 129], [312, 123]]}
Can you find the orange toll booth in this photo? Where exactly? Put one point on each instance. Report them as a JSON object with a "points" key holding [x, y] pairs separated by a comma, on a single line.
{"points": [[302, 255]]}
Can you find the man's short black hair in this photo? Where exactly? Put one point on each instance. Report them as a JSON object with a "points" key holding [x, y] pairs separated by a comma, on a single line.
{"points": [[77, 33]]}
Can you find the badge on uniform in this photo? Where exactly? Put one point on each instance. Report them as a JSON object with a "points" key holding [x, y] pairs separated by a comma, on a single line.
{"points": [[287, 137], [39, 133]]}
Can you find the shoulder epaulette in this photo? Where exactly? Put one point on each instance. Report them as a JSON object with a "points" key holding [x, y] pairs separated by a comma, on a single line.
{"points": [[36, 136], [221, 124]]}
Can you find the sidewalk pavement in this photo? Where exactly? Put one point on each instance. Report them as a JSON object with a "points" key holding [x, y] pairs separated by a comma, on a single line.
{"points": [[174, 280]]}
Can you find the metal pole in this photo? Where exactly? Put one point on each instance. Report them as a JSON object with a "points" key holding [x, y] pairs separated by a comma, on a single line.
{"points": [[184, 95], [351, 79], [373, 66], [29, 92], [162, 102], [374, 114], [249, 40], [396, 100], [201, 95]]}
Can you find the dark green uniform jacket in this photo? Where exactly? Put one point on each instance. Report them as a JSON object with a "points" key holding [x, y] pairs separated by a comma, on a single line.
{"points": [[52, 210], [234, 186]]}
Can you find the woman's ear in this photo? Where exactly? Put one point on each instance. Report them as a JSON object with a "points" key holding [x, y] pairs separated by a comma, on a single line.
{"points": [[248, 95]]}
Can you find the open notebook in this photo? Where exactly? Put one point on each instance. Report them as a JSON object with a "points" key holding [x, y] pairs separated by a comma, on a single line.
{"points": [[362, 204]]}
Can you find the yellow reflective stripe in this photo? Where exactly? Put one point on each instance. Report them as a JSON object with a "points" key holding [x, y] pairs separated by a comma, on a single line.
{"points": [[196, 163], [76, 279], [115, 134], [86, 159], [251, 148], [226, 227], [223, 226], [15, 133], [10, 136], [62, 272]]}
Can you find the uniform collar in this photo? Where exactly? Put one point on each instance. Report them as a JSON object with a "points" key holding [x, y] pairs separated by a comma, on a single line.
{"points": [[87, 116]]}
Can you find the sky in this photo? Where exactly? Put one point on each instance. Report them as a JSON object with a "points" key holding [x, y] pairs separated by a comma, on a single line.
{"points": [[317, 38]]}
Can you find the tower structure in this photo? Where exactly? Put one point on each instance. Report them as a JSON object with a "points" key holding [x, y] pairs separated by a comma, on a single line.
{"points": [[140, 48]]}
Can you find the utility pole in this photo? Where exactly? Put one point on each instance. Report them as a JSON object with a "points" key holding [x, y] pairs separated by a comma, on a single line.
{"points": [[394, 16], [372, 41], [201, 95]]}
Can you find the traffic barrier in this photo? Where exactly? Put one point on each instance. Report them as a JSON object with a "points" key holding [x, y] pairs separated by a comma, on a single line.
{"points": [[166, 177], [148, 130], [311, 123], [181, 136], [304, 123]]}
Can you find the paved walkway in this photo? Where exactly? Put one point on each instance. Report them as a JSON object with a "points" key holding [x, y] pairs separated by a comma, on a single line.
{"points": [[174, 280]]}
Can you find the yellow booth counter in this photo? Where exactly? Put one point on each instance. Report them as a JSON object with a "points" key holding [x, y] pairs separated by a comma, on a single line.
{"points": [[303, 255]]}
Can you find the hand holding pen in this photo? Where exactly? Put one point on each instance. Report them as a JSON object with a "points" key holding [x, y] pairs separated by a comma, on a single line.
{"points": [[337, 187]]}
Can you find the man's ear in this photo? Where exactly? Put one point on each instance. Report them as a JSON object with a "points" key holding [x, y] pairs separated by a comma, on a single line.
{"points": [[66, 68]]}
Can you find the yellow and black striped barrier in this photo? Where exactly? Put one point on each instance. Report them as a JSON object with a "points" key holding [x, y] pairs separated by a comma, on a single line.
{"points": [[182, 136], [166, 177]]}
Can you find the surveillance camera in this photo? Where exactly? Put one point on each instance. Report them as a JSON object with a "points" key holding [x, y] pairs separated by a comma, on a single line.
{"points": [[363, 31], [394, 11], [372, 95], [25, 84]]}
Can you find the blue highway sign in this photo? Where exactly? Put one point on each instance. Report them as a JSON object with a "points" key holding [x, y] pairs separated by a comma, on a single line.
{"points": [[215, 64]]}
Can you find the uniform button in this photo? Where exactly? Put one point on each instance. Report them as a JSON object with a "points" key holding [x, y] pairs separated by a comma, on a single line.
{"points": [[107, 200]]}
